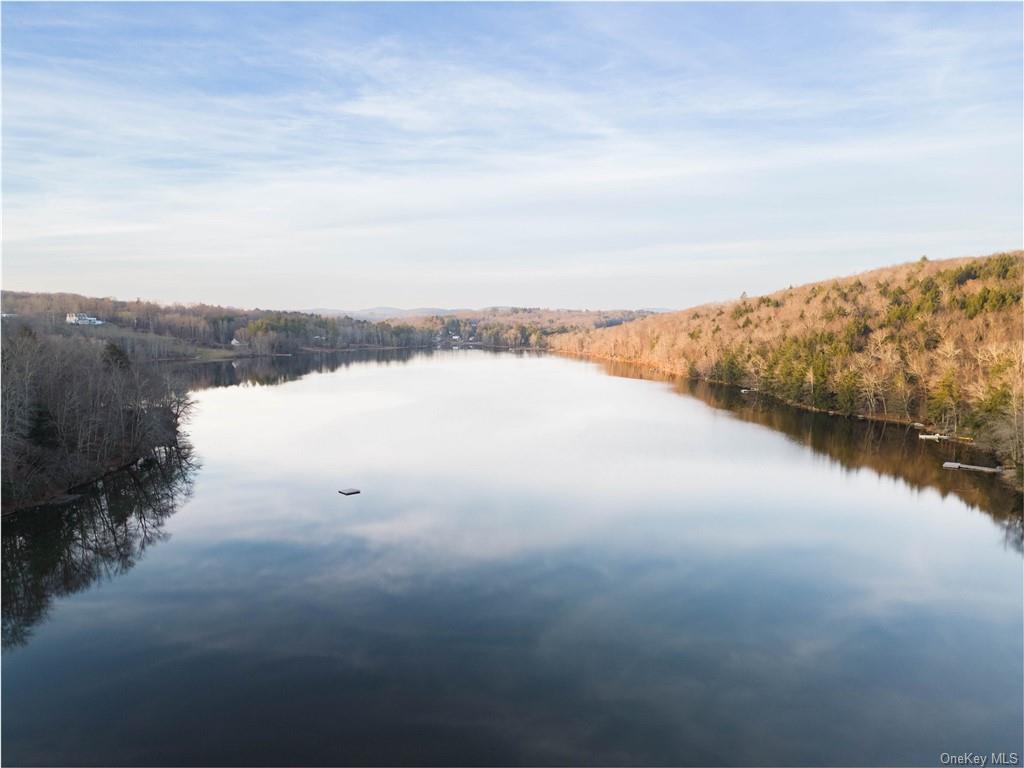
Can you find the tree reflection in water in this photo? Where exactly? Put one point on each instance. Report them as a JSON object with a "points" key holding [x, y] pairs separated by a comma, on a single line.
{"points": [[891, 450], [57, 550], [279, 369], [49, 552]]}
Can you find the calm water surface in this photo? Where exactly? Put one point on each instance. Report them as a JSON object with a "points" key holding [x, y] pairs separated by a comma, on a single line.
{"points": [[547, 565]]}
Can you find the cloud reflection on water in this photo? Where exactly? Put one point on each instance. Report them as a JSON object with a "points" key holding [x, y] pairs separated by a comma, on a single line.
{"points": [[545, 565]]}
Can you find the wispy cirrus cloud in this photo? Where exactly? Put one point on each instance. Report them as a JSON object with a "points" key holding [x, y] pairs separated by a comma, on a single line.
{"points": [[470, 155]]}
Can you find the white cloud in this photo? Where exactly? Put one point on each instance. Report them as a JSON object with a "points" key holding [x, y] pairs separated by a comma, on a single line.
{"points": [[390, 172]]}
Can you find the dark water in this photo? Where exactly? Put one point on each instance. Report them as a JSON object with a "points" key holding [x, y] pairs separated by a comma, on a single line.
{"points": [[546, 565]]}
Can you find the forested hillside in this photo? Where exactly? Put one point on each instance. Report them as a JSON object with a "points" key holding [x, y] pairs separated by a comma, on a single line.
{"points": [[262, 331], [520, 327], [76, 408], [156, 330], [931, 341]]}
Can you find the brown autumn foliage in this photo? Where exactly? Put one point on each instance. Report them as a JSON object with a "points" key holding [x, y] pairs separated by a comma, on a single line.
{"points": [[75, 408], [939, 342], [176, 330], [519, 327], [263, 331]]}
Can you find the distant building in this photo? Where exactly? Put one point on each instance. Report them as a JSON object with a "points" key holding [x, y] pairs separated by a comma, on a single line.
{"points": [[80, 318]]}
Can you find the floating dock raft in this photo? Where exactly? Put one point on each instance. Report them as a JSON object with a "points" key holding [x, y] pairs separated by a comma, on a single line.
{"points": [[348, 491], [971, 467]]}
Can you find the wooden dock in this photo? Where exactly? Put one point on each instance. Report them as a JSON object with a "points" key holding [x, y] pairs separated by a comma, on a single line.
{"points": [[972, 467]]}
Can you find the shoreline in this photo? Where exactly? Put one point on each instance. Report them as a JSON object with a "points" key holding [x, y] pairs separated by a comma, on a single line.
{"points": [[68, 495], [1007, 475], [220, 358], [198, 359], [73, 493]]}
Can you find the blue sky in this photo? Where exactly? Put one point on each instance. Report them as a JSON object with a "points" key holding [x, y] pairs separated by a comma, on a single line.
{"points": [[569, 155]]}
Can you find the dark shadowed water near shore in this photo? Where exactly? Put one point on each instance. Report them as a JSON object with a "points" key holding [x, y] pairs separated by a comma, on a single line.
{"points": [[547, 565]]}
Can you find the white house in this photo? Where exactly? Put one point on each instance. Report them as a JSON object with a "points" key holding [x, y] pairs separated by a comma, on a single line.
{"points": [[80, 318]]}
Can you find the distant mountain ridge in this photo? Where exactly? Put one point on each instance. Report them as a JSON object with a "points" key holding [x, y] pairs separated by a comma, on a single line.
{"points": [[384, 313], [398, 313]]}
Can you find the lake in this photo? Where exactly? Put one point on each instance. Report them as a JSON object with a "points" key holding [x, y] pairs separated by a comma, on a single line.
{"points": [[550, 562]]}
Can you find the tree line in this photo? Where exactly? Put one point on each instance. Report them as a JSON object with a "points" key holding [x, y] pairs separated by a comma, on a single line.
{"points": [[74, 408], [521, 327], [262, 331], [158, 331], [931, 342]]}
